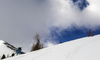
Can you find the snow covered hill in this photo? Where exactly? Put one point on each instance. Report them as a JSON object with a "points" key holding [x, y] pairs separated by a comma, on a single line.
{"points": [[87, 48], [5, 49]]}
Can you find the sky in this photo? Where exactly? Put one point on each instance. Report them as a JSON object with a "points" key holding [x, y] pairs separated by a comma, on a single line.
{"points": [[54, 20]]}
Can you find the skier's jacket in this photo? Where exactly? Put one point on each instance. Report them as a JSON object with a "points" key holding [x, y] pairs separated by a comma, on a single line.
{"points": [[19, 51]]}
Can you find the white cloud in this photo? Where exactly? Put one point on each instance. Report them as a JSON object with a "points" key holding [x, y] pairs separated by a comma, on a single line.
{"points": [[21, 20]]}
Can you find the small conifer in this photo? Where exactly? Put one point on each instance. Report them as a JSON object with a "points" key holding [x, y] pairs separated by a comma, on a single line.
{"points": [[3, 56]]}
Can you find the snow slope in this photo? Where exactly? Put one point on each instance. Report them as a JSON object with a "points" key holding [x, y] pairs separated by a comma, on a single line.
{"points": [[4, 49], [87, 48]]}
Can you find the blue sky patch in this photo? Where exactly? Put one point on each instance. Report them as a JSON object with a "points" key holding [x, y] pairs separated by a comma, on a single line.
{"points": [[71, 34], [81, 3]]}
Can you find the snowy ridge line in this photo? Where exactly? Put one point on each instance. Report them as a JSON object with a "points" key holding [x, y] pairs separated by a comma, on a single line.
{"points": [[34, 56], [86, 48], [41, 55]]}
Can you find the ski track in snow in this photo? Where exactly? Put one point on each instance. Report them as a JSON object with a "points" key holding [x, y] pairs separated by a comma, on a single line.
{"points": [[76, 49]]}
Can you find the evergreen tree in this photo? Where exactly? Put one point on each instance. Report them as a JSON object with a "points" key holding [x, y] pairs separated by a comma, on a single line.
{"points": [[90, 33], [3, 56]]}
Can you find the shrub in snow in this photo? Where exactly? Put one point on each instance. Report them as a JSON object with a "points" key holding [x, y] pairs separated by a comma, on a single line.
{"points": [[38, 45]]}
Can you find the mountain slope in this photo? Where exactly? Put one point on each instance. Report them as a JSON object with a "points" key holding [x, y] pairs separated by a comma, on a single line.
{"points": [[81, 49], [4, 49]]}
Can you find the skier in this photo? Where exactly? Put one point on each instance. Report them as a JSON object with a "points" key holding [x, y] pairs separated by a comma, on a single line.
{"points": [[19, 50]]}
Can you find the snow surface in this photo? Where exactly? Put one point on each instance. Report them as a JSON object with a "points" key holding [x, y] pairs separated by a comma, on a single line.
{"points": [[4, 49], [87, 48]]}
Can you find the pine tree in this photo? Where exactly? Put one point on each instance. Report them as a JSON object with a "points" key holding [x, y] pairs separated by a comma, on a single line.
{"points": [[90, 33], [3, 56]]}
